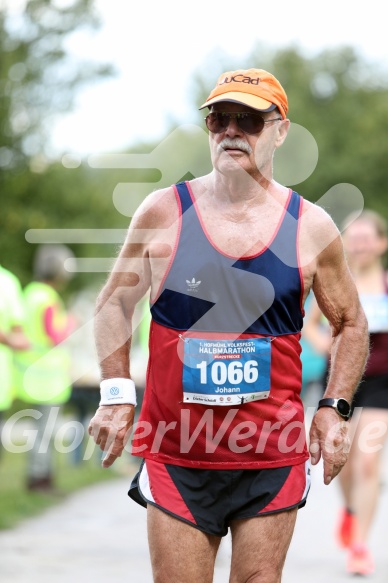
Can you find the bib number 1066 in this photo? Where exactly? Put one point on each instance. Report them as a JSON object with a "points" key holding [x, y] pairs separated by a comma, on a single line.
{"points": [[232, 372]]}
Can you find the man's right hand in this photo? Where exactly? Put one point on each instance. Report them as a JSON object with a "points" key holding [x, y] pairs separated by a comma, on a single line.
{"points": [[110, 429]]}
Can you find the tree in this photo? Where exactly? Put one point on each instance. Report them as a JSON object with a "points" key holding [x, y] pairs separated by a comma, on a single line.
{"points": [[38, 81], [38, 77]]}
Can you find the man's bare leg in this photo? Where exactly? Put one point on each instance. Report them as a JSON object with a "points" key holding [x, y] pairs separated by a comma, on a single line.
{"points": [[259, 547], [179, 552]]}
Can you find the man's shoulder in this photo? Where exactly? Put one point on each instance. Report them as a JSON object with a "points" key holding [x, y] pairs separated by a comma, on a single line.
{"points": [[158, 210], [316, 218], [319, 236]]}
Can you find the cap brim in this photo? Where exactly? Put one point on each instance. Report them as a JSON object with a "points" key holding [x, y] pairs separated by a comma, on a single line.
{"points": [[244, 98]]}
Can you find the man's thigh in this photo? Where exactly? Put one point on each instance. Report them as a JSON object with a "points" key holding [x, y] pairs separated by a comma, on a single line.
{"points": [[259, 547], [180, 553]]}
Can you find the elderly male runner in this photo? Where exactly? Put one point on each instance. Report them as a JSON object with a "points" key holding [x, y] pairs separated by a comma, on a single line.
{"points": [[229, 259]]}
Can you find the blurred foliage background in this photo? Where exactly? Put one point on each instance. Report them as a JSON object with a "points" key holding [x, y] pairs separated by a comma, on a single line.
{"points": [[337, 96]]}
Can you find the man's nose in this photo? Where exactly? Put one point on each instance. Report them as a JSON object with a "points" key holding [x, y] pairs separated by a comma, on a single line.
{"points": [[233, 128]]}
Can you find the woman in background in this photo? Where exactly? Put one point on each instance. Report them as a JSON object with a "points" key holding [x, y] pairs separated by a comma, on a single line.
{"points": [[365, 241]]}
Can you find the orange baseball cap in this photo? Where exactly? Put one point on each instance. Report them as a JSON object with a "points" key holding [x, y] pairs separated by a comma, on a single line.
{"points": [[255, 88]]}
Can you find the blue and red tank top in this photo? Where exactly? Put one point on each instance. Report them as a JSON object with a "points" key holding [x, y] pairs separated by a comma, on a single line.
{"points": [[224, 372], [376, 310]]}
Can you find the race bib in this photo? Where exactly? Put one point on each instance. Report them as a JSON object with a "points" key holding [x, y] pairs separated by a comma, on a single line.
{"points": [[226, 372]]}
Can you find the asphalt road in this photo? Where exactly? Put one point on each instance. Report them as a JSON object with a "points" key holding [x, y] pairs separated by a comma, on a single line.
{"points": [[99, 535]]}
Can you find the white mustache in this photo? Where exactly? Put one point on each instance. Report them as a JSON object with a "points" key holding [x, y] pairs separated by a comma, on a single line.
{"points": [[236, 144]]}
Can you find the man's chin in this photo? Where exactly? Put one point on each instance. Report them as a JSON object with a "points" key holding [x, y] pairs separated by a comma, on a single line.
{"points": [[233, 167]]}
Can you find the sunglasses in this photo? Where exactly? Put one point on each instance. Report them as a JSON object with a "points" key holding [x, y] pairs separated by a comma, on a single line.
{"points": [[249, 123]]}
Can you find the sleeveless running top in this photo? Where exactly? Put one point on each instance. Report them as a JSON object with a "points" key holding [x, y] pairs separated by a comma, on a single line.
{"points": [[376, 311], [224, 373]]}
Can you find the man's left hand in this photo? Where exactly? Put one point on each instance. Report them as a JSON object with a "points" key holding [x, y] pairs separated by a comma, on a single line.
{"points": [[329, 439]]}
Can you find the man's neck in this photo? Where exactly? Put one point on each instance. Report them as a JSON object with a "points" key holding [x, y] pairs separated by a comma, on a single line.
{"points": [[239, 186]]}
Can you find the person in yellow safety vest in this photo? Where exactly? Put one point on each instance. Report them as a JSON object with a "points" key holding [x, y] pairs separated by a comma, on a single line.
{"points": [[12, 336], [45, 368]]}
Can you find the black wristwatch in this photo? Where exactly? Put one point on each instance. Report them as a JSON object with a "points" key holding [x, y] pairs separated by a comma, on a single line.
{"points": [[340, 405]]}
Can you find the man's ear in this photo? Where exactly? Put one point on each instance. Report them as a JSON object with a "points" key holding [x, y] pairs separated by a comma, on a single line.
{"points": [[283, 128]]}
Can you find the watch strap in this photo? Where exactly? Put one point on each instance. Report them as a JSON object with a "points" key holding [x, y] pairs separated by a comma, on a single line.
{"points": [[341, 406]]}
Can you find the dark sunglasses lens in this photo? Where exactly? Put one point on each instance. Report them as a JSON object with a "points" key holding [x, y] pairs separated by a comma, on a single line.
{"points": [[249, 123], [217, 122]]}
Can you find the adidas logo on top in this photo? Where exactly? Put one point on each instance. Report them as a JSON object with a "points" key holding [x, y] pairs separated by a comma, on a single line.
{"points": [[192, 285]]}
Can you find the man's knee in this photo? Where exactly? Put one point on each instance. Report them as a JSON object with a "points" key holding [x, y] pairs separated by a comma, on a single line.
{"points": [[266, 573]]}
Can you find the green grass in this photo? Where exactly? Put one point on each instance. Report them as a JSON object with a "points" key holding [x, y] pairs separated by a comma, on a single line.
{"points": [[17, 503]]}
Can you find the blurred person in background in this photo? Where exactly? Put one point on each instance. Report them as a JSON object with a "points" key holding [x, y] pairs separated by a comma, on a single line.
{"points": [[12, 336], [44, 369], [85, 394], [314, 363], [365, 242]]}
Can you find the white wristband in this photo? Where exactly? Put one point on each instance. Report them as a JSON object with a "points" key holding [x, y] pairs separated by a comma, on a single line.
{"points": [[118, 392]]}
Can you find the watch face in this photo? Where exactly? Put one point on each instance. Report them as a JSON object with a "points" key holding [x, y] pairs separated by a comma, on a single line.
{"points": [[343, 407]]}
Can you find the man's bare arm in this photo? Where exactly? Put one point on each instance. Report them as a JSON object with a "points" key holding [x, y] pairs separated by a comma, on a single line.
{"points": [[140, 265], [338, 299]]}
